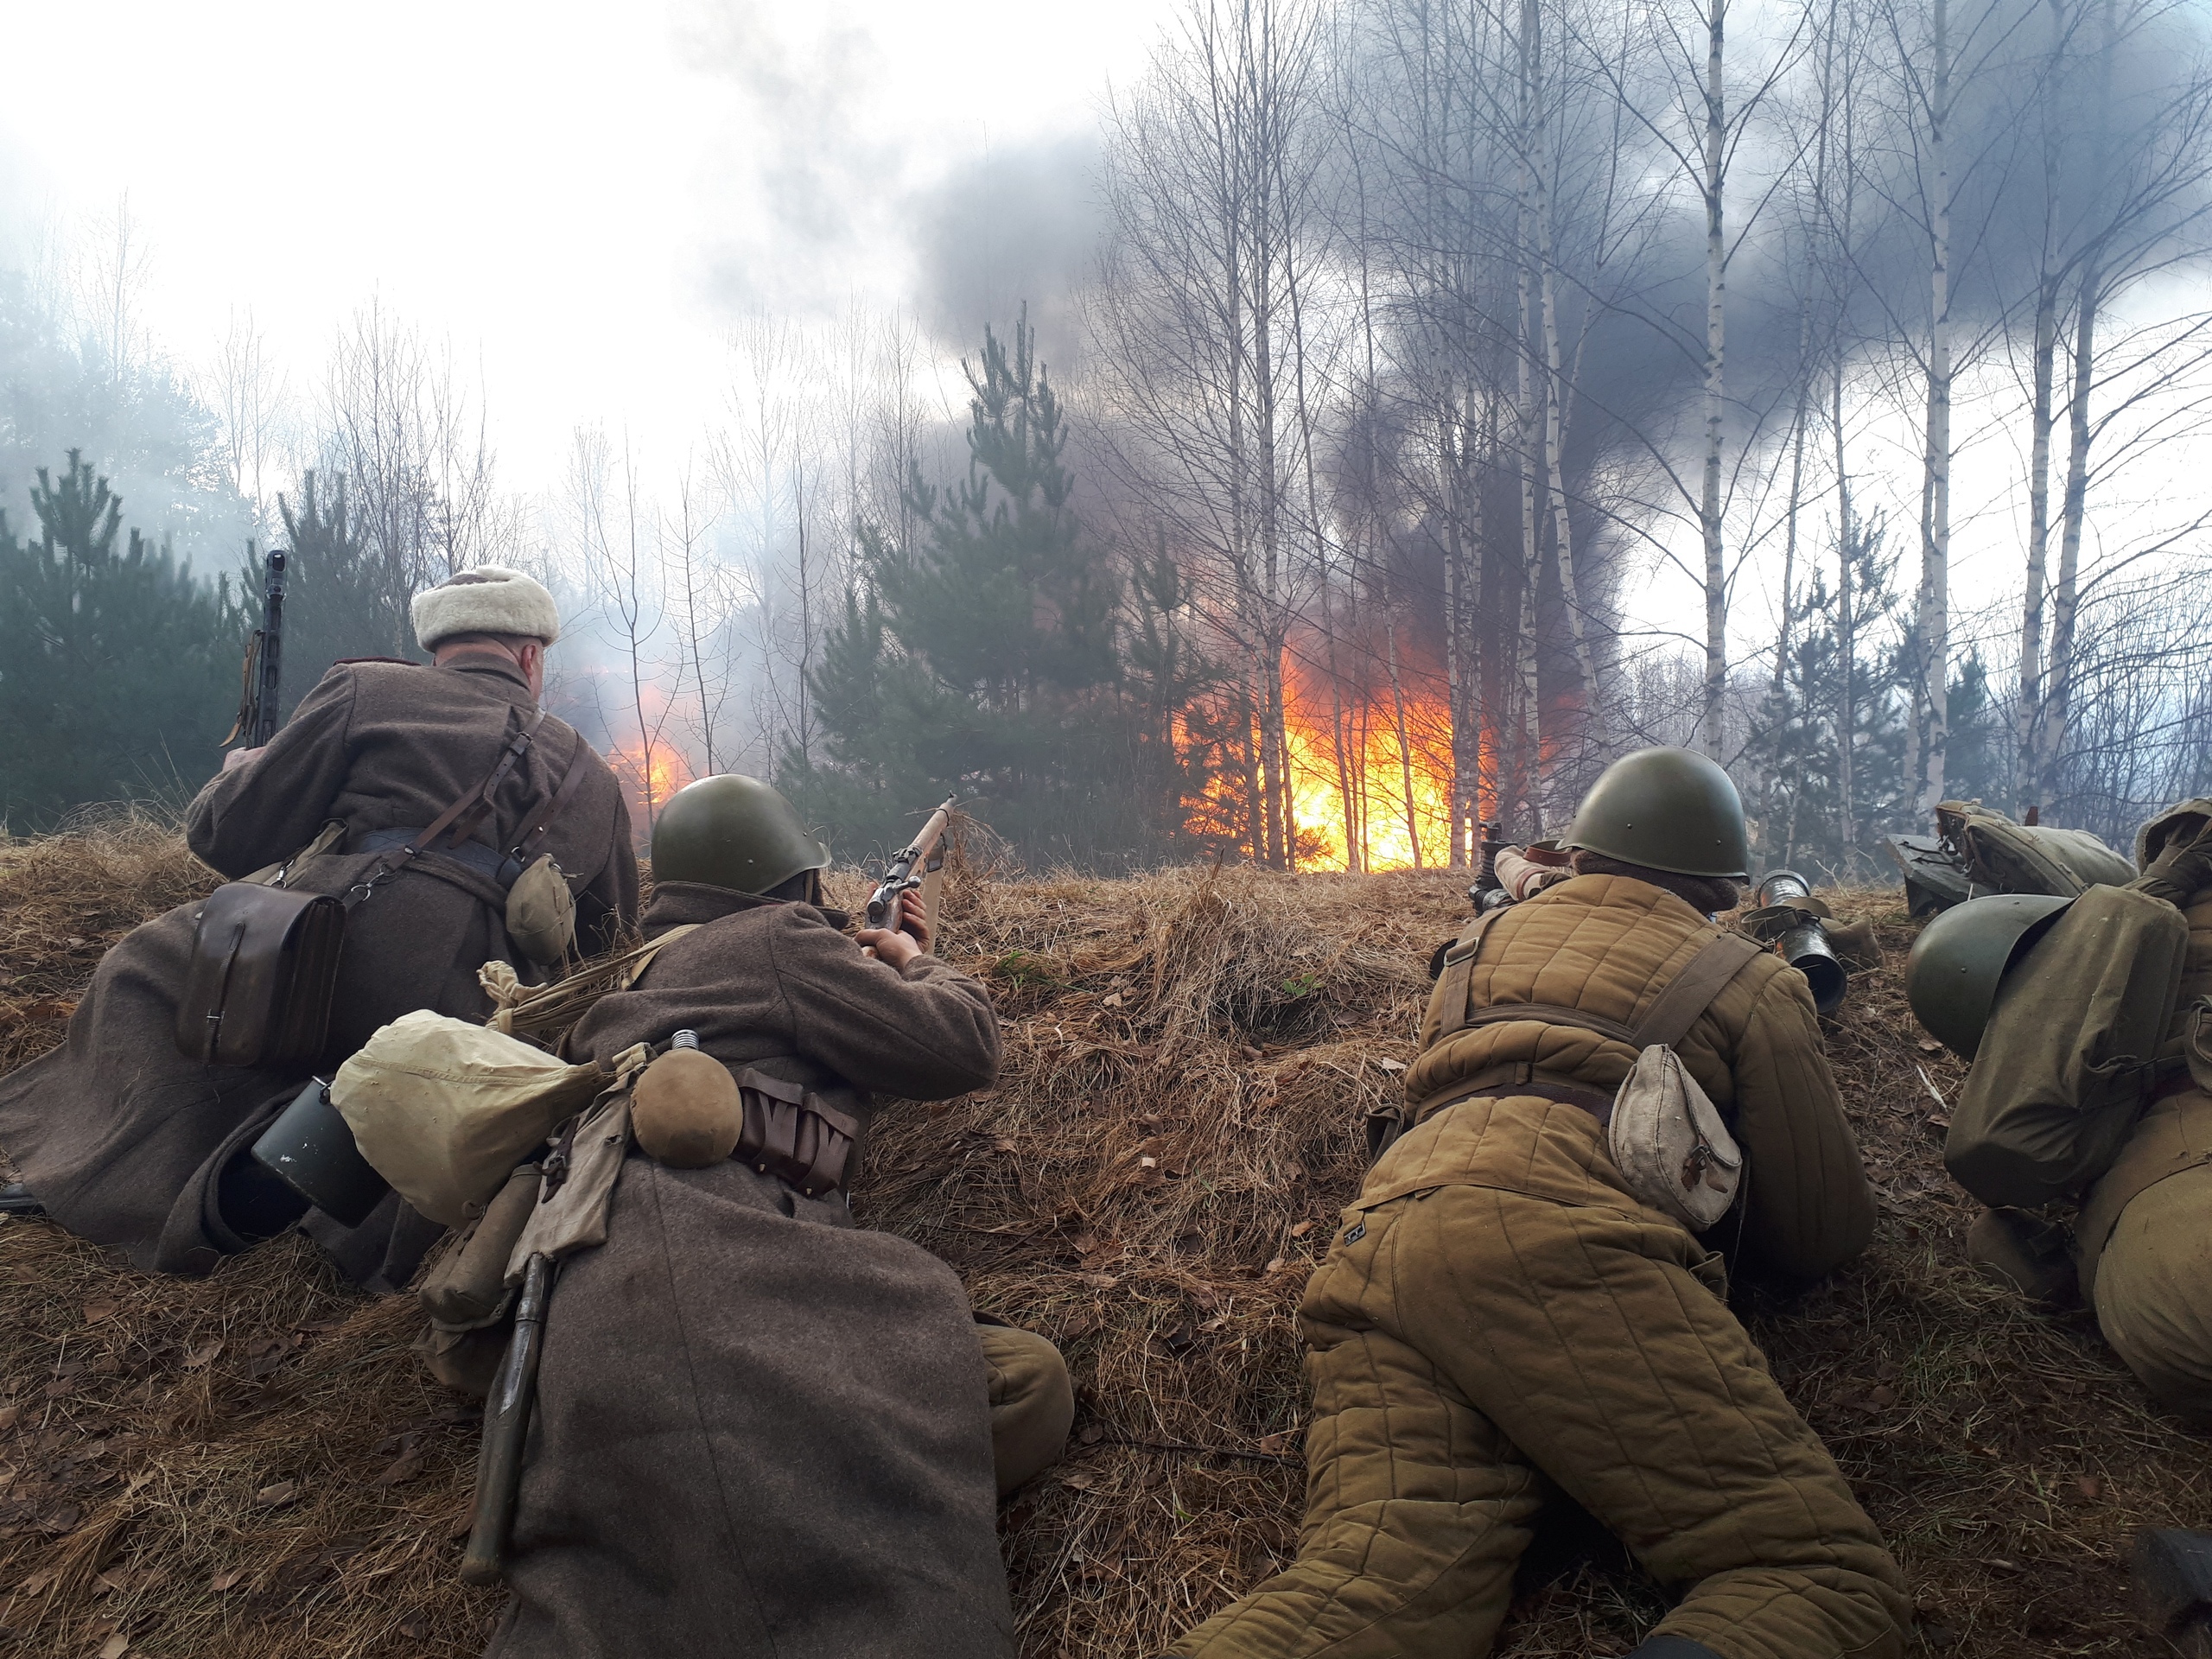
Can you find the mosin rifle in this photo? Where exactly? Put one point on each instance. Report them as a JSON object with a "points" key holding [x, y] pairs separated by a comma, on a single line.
{"points": [[910, 868], [261, 678]]}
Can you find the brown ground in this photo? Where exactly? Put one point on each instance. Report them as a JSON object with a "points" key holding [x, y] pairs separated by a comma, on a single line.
{"points": [[252, 1465]]}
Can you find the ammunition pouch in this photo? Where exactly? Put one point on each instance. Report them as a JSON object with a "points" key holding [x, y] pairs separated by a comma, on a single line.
{"points": [[792, 1135]]}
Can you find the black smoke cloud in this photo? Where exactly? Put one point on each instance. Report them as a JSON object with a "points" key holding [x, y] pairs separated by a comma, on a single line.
{"points": [[1018, 225]]}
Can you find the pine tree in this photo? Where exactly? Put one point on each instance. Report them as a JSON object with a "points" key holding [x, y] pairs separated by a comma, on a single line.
{"points": [[119, 671], [986, 657], [339, 604]]}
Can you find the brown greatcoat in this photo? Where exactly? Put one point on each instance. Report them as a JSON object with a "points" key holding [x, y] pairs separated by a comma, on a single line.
{"points": [[761, 1430], [122, 1138], [1500, 1318]]}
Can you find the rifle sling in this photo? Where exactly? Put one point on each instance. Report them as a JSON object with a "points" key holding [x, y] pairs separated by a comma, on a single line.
{"points": [[526, 848]]}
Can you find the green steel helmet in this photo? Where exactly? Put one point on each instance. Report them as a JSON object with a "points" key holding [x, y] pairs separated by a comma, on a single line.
{"points": [[1671, 810], [735, 832], [1962, 956]]}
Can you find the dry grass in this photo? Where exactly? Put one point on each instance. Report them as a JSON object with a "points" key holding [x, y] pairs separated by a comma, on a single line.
{"points": [[1188, 1058]]}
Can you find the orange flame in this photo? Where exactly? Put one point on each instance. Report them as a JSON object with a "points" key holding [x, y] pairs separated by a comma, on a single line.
{"points": [[1398, 798], [649, 775]]}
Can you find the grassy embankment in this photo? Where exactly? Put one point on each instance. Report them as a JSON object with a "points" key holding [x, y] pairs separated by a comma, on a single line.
{"points": [[253, 1464]]}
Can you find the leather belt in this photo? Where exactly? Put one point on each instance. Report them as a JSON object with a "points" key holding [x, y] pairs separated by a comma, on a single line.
{"points": [[485, 861]]}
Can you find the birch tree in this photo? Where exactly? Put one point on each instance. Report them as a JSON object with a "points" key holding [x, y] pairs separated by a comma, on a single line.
{"points": [[1209, 188]]}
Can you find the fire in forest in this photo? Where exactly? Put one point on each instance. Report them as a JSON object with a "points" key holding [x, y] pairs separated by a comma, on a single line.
{"points": [[649, 773], [1370, 768]]}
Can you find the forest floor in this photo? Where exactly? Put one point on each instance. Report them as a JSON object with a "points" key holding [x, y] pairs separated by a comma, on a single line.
{"points": [[254, 1464]]}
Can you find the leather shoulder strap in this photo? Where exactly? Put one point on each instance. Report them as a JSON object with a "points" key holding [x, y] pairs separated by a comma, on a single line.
{"points": [[1691, 992], [477, 801], [527, 846], [479, 797]]}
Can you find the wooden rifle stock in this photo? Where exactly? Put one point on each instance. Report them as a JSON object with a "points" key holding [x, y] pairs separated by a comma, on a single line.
{"points": [[506, 1428], [906, 870]]}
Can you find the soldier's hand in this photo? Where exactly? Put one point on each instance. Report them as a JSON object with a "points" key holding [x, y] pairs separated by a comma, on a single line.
{"points": [[910, 939], [237, 758]]}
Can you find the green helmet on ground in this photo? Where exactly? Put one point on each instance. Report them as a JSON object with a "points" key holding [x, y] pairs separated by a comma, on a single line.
{"points": [[1961, 957], [735, 832], [1671, 810]]}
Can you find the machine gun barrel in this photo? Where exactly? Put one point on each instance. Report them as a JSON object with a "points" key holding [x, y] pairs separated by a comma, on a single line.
{"points": [[1796, 923]]}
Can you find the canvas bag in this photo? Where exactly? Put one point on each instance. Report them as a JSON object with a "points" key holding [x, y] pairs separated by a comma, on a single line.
{"points": [[542, 913], [2008, 857], [445, 1109], [1667, 1140], [2070, 1052]]}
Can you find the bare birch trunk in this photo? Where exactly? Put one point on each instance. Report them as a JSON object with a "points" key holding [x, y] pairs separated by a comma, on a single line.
{"points": [[1536, 134], [2027, 716], [2066, 595], [1532, 733], [1935, 536], [1716, 311], [1847, 631], [1528, 722], [1405, 749]]}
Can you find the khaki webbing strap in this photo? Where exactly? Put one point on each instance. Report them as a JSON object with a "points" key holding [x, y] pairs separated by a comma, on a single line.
{"points": [[1449, 1000], [634, 969], [1688, 995], [1553, 1014], [1691, 992]]}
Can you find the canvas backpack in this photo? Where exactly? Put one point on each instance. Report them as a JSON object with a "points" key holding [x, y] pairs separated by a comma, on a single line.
{"points": [[2073, 1046]]}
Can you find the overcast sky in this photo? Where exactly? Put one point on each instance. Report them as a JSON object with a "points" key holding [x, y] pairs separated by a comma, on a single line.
{"points": [[583, 195], [583, 198]]}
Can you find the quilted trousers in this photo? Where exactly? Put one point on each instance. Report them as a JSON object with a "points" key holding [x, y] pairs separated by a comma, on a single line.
{"points": [[1472, 1347]]}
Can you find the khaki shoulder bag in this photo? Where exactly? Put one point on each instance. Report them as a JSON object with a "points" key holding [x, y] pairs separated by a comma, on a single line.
{"points": [[2009, 857], [264, 959]]}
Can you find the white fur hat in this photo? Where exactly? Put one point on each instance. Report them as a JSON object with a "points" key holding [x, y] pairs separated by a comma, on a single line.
{"points": [[490, 599]]}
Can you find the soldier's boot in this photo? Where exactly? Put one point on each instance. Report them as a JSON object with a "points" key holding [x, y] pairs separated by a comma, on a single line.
{"points": [[16, 1200], [1672, 1647], [2172, 1575], [2034, 1257]]}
